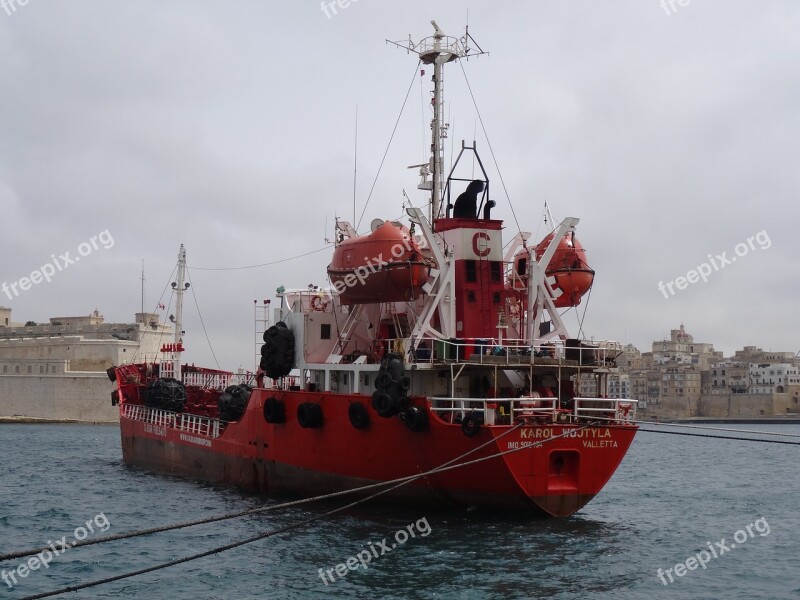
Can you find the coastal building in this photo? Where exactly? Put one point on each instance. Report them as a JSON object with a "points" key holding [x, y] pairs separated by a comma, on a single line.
{"points": [[619, 385], [729, 377], [681, 378], [56, 371], [769, 378]]}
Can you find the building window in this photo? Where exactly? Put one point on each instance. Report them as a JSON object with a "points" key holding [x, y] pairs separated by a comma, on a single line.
{"points": [[495, 273], [496, 297], [41, 368], [5, 370], [471, 274], [30, 369], [325, 331]]}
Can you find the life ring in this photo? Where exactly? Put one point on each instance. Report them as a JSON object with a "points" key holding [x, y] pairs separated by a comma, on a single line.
{"points": [[319, 303], [530, 404], [624, 409]]}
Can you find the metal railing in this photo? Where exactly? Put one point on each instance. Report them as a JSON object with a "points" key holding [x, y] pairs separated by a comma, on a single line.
{"points": [[496, 410], [182, 422], [514, 352]]}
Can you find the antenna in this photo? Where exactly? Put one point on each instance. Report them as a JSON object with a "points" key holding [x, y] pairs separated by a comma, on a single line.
{"points": [[438, 50], [143, 280], [355, 165]]}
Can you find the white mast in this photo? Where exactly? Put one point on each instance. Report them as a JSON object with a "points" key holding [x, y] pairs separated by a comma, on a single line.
{"points": [[180, 287], [437, 50]]}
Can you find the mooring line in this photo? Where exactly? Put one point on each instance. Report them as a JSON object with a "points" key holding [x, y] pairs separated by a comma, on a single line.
{"points": [[404, 481]]}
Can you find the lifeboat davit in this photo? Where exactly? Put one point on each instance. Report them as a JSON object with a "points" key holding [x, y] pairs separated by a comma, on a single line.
{"points": [[568, 268], [385, 265]]}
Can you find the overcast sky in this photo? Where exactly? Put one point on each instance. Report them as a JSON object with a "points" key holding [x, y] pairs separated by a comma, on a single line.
{"points": [[229, 127]]}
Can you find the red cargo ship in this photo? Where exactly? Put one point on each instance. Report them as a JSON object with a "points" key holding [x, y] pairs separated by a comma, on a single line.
{"points": [[433, 347]]}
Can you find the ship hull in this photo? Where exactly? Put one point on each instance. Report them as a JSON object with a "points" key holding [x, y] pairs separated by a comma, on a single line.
{"points": [[552, 469]]}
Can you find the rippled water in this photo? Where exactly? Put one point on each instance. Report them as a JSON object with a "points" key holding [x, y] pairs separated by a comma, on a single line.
{"points": [[671, 495]]}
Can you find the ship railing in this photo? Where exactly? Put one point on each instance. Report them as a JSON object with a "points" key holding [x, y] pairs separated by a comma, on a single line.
{"points": [[181, 421], [199, 425], [214, 381], [622, 410], [512, 352], [507, 410]]}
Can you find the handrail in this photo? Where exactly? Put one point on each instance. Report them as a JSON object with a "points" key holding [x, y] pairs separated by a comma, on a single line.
{"points": [[612, 410], [186, 422], [513, 351]]}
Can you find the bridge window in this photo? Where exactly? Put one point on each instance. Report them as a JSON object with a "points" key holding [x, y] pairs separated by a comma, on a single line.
{"points": [[325, 331], [495, 272], [471, 274]]}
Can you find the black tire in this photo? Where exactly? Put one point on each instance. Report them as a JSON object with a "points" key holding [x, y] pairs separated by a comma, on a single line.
{"points": [[416, 419], [405, 383], [383, 404], [166, 394], [471, 424], [274, 411], [359, 416], [383, 380], [309, 415]]}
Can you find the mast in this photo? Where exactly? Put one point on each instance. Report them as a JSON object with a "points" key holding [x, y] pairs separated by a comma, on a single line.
{"points": [[143, 280], [437, 50], [180, 287]]}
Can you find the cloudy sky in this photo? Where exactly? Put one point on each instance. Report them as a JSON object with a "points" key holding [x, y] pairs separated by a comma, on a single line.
{"points": [[229, 127]]}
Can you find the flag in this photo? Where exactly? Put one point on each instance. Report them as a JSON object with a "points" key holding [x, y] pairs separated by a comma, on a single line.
{"points": [[161, 306]]}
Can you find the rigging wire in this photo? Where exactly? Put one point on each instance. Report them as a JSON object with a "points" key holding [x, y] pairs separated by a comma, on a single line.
{"points": [[489, 143], [202, 322], [585, 310], [722, 437], [169, 304], [386, 152], [268, 264]]}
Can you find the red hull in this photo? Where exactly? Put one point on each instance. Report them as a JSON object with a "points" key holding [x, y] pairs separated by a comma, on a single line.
{"points": [[557, 478]]}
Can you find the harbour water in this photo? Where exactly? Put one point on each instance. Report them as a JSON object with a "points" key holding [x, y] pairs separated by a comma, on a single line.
{"points": [[673, 500]]}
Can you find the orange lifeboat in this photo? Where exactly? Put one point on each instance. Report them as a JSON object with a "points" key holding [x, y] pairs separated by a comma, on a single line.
{"points": [[568, 267], [386, 265]]}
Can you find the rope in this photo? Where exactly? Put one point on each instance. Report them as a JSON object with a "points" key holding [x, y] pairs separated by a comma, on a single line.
{"points": [[386, 152], [199, 314], [274, 262], [489, 143], [688, 426], [253, 511], [299, 524], [160, 298], [722, 437]]}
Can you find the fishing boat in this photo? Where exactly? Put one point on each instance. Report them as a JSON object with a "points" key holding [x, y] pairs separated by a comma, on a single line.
{"points": [[438, 354]]}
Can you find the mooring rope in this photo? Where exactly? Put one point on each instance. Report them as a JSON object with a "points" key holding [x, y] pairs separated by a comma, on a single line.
{"points": [[254, 511], [404, 481]]}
